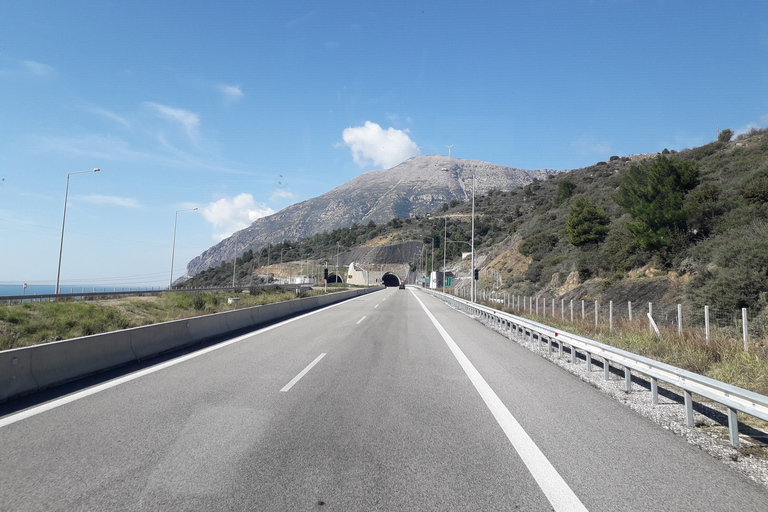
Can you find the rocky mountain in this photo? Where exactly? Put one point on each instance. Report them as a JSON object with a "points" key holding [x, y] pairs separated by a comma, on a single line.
{"points": [[414, 188]]}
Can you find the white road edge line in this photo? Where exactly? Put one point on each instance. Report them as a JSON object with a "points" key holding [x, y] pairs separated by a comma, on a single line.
{"points": [[34, 411], [361, 320], [302, 373], [560, 495]]}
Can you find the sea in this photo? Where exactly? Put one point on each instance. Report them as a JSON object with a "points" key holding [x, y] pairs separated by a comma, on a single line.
{"points": [[44, 289]]}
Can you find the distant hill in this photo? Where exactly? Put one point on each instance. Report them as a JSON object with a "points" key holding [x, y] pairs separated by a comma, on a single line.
{"points": [[717, 255], [414, 188]]}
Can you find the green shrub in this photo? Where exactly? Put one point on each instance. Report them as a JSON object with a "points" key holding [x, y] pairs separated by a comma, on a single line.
{"points": [[198, 302], [756, 190], [725, 135]]}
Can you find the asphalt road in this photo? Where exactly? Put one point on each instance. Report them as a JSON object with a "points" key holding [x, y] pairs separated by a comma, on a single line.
{"points": [[390, 401]]}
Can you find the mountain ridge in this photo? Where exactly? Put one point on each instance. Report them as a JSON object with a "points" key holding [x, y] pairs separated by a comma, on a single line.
{"points": [[413, 188]]}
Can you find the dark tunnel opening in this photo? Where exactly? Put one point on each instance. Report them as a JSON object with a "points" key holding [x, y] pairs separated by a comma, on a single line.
{"points": [[390, 280]]}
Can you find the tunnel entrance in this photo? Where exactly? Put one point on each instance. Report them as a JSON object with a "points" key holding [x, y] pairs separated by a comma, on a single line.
{"points": [[333, 278], [390, 280]]}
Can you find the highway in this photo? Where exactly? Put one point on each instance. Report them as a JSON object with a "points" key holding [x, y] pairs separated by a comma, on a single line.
{"points": [[390, 401]]}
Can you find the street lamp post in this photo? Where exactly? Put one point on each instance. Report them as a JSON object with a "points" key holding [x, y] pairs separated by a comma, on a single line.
{"points": [[445, 237], [173, 251], [63, 221], [472, 244]]}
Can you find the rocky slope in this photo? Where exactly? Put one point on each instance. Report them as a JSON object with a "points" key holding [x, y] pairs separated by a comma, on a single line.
{"points": [[414, 188]]}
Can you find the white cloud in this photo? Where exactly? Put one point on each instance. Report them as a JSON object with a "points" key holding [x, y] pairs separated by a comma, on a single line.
{"points": [[282, 193], [109, 115], [189, 121], [36, 68], [230, 92], [372, 145], [762, 122], [230, 214], [591, 145], [125, 202]]}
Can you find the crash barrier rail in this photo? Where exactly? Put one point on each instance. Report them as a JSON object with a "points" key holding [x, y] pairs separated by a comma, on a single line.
{"points": [[148, 291], [734, 398], [29, 369]]}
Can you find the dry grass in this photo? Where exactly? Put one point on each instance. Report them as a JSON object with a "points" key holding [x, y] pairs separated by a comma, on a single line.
{"points": [[723, 357], [32, 323]]}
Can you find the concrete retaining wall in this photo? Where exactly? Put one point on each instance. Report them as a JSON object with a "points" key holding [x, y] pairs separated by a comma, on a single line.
{"points": [[29, 369]]}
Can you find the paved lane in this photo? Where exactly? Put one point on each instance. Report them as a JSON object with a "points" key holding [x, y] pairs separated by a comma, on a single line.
{"points": [[362, 406]]}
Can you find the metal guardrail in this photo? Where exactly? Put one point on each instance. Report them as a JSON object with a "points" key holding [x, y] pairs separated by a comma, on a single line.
{"points": [[734, 398]]}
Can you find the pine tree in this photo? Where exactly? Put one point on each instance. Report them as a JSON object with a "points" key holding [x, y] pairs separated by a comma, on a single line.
{"points": [[654, 194], [587, 223]]}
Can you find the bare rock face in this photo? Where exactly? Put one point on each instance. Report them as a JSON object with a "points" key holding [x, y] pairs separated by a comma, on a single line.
{"points": [[414, 188]]}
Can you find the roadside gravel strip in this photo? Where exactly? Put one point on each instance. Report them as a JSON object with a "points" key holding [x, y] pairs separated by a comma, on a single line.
{"points": [[709, 435]]}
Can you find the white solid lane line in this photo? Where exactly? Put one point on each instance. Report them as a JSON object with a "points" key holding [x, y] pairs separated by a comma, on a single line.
{"points": [[303, 373], [560, 495]]}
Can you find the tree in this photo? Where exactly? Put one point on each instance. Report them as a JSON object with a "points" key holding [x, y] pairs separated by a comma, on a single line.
{"points": [[725, 135], [587, 223], [653, 194], [565, 189]]}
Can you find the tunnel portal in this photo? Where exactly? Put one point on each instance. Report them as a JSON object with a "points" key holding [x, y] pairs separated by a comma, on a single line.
{"points": [[390, 280]]}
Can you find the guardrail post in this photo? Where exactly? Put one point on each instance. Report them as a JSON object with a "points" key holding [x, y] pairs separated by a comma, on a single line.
{"points": [[744, 329], [582, 310], [627, 379], [654, 391], [680, 320], [553, 308], [589, 361], [559, 349], [571, 310], [733, 427], [606, 369], [629, 309], [688, 407], [545, 308], [562, 309], [573, 354]]}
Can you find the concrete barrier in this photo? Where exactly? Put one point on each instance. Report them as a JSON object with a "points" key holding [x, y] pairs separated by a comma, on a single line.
{"points": [[29, 369]]}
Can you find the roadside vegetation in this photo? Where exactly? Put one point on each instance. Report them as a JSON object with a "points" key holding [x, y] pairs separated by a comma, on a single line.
{"points": [[32, 323], [722, 358]]}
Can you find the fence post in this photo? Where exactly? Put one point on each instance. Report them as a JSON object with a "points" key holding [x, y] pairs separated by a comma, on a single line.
{"points": [[629, 308], [706, 323], [610, 316], [596, 315], [680, 320], [744, 329], [650, 315]]}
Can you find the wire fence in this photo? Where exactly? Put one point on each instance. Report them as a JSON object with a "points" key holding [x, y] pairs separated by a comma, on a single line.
{"points": [[749, 327]]}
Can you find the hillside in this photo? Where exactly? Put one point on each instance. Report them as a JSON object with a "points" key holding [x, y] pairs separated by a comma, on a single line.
{"points": [[717, 253], [414, 188]]}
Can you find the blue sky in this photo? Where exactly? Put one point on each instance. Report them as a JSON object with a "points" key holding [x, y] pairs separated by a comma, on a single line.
{"points": [[241, 108]]}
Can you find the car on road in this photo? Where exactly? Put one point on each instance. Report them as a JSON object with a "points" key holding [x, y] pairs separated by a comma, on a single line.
{"points": [[402, 286]]}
